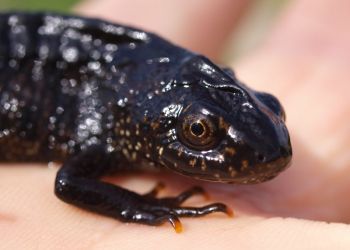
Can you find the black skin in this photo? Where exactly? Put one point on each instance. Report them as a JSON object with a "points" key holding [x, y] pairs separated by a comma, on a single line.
{"points": [[103, 98]]}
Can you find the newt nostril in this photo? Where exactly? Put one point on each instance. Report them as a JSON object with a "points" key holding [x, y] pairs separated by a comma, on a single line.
{"points": [[261, 158], [272, 103]]}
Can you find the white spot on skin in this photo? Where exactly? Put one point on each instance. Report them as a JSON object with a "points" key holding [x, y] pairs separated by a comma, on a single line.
{"points": [[94, 66], [126, 153], [248, 105], [172, 110], [71, 54], [160, 151], [233, 134], [59, 110], [110, 148], [133, 156]]}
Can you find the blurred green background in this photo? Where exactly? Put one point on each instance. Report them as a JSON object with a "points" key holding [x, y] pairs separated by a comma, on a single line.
{"points": [[58, 5]]}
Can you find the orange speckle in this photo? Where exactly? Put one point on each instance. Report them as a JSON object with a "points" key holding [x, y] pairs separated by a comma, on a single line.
{"points": [[229, 212], [175, 222]]}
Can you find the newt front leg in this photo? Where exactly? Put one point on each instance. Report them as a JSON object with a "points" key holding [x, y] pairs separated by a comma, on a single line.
{"points": [[77, 182]]}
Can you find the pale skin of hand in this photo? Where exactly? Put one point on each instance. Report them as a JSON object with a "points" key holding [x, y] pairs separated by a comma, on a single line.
{"points": [[304, 61]]}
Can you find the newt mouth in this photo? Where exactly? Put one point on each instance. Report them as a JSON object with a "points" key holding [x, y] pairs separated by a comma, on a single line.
{"points": [[254, 175], [263, 172]]}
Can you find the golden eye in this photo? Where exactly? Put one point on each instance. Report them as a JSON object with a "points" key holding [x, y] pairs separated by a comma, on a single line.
{"points": [[198, 132]]}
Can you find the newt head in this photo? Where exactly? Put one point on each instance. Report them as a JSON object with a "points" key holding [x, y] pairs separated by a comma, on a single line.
{"points": [[217, 129]]}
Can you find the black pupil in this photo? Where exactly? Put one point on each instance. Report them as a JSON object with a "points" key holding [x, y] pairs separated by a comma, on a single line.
{"points": [[197, 129]]}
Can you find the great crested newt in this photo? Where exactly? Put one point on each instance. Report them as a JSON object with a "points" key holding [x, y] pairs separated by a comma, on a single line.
{"points": [[102, 98]]}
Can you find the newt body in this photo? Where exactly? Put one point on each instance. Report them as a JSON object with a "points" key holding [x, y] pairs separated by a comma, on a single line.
{"points": [[102, 97]]}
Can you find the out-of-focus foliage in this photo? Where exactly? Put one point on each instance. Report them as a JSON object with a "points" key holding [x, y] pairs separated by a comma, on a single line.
{"points": [[53, 5]]}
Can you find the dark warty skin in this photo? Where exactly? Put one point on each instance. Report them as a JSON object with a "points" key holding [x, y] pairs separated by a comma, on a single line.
{"points": [[102, 97]]}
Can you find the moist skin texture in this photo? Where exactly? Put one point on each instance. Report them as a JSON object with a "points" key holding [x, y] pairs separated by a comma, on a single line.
{"points": [[102, 98]]}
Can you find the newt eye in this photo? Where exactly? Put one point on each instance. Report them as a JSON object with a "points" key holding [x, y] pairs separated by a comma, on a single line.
{"points": [[198, 132], [198, 129]]}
